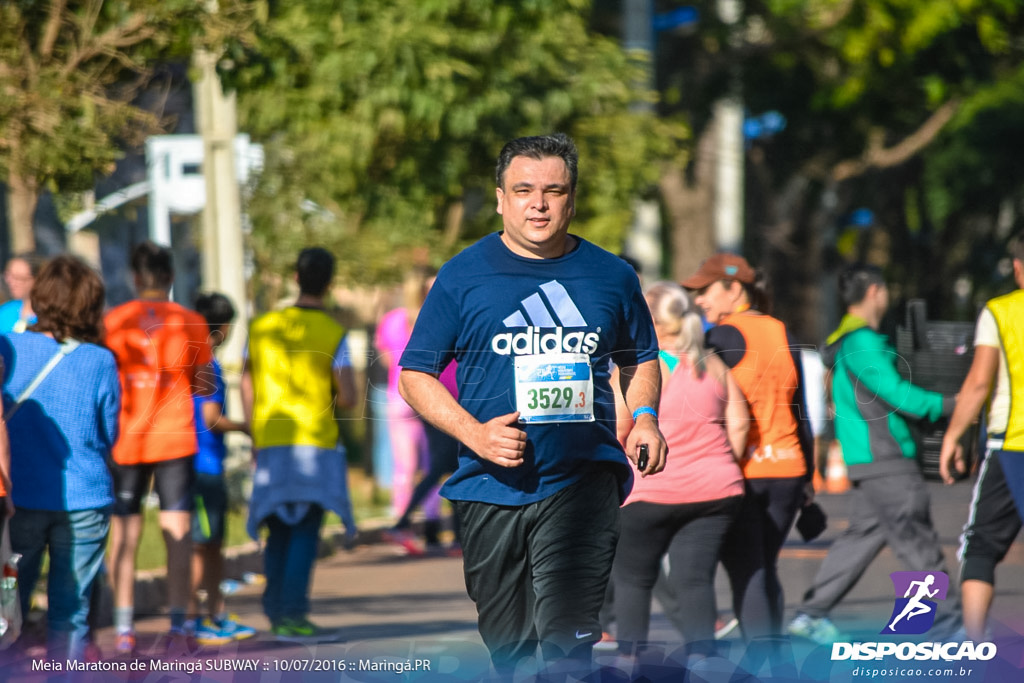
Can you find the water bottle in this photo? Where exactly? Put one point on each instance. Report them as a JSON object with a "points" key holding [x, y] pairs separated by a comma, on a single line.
{"points": [[9, 594]]}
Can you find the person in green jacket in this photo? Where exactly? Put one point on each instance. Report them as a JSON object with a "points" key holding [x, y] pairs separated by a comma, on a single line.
{"points": [[890, 503]]}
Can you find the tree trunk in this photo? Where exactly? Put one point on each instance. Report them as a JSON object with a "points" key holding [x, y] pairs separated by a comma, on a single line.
{"points": [[690, 206], [453, 224], [22, 198]]}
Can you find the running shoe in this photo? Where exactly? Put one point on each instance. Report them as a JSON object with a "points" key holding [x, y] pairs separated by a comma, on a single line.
{"points": [[301, 630], [405, 539], [818, 630], [724, 628], [124, 643], [230, 626], [960, 636], [208, 633], [607, 643]]}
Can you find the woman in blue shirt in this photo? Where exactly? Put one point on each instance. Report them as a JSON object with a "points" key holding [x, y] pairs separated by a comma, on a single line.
{"points": [[61, 435]]}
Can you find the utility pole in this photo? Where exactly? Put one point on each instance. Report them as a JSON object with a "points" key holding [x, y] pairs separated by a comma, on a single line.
{"points": [[730, 154], [223, 255], [643, 241]]}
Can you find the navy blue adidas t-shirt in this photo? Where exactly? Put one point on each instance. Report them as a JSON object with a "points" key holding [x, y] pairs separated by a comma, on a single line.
{"points": [[489, 305]]}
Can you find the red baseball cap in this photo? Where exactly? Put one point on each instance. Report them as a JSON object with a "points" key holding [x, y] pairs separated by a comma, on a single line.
{"points": [[721, 266]]}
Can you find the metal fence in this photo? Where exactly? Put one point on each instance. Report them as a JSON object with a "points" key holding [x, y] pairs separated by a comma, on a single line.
{"points": [[935, 355]]}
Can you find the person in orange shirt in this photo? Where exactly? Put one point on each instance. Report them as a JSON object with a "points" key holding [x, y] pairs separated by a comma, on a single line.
{"points": [[163, 357]]}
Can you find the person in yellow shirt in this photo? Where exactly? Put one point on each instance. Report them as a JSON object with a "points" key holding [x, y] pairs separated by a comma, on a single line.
{"points": [[996, 376], [297, 371]]}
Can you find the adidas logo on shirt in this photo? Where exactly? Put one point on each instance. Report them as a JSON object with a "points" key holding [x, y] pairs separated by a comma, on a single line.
{"points": [[549, 309]]}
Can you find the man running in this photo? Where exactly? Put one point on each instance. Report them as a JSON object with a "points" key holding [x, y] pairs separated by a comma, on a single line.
{"points": [[535, 317]]}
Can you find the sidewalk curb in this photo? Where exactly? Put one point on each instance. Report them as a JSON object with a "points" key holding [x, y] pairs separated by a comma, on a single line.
{"points": [[151, 585]]}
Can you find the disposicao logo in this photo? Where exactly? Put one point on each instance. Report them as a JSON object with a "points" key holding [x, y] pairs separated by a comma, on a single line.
{"points": [[912, 614]]}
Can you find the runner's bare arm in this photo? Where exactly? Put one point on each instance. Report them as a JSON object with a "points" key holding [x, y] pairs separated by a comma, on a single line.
{"points": [[641, 385], [737, 412], [203, 380], [219, 423], [498, 440], [973, 393], [344, 387], [246, 389]]}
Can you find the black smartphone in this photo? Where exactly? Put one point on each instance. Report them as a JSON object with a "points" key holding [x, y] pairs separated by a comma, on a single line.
{"points": [[641, 460]]}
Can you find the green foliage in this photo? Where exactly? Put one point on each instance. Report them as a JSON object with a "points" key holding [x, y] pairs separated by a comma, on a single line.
{"points": [[975, 166], [381, 122], [867, 87], [888, 60], [879, 69], [71, 73]]}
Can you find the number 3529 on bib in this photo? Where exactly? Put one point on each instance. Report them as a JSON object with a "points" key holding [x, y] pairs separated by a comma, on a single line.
{"points": [[554, 387]]}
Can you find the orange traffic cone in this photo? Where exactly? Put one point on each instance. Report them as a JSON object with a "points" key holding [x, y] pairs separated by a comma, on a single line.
{"points": [[837, 479]]}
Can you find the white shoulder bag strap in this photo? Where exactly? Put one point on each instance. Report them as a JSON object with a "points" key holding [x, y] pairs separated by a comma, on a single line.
{"points": [[66, 347]]}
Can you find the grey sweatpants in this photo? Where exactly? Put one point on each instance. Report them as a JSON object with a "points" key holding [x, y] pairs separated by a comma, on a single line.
{"points": [[891, 510]]}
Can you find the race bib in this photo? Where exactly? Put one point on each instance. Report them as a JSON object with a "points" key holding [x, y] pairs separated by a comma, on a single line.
{"points": [[554, 387]]}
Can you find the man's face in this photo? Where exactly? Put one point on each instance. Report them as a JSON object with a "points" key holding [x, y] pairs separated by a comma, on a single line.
{"points": [[879, 298], [18, 277], [536, 205]]}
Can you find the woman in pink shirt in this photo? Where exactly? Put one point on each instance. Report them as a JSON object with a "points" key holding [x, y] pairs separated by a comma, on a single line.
{"points": [[415, 444], [685, 511]]}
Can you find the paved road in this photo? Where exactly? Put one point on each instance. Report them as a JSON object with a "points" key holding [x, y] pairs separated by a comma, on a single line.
{"points": [[401, 609]]}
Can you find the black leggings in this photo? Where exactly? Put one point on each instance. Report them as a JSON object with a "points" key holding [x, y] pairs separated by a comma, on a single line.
{"points": [[691, 534], [751, 552]]}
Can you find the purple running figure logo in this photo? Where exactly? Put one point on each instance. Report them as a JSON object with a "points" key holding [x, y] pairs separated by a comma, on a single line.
{"points": [[916, 592]]}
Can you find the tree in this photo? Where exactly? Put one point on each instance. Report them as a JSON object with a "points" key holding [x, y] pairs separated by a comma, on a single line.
{"points": [[381, 123], [71, 74], [875, 93]]}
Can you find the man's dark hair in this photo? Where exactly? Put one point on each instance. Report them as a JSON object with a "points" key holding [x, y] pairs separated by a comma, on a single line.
{"points": [[855, 280], [153, 265], [315, 269], [216, 308], [1016, 247], [539, 147]]}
